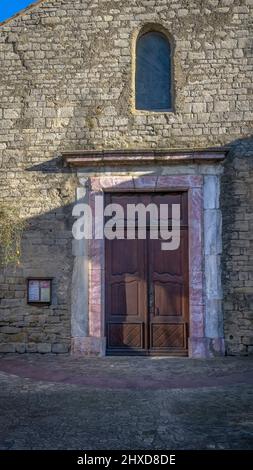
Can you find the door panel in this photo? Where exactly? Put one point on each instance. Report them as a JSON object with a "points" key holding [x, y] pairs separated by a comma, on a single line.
{"points": [[125, 295], [121, 263], [146, 292], [167, 298], [125, 335], [125, 298], [168, 336], [168, 294]]}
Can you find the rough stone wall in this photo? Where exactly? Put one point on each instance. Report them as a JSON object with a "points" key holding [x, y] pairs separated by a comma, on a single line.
{"points": [[46, 252], [66, 84], [237, 209]]}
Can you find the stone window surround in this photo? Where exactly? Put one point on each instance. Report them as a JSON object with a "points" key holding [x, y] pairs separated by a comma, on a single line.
{"points": [[149, 28]]}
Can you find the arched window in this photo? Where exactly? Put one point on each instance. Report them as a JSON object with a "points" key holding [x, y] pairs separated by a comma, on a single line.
{"points": [[153, 72]]}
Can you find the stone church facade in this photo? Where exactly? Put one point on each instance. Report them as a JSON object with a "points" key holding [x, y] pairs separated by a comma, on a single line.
{"points": [[70, 131]]}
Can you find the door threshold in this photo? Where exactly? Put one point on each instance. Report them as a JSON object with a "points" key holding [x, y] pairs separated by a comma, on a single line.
{"points": [[148, 354]]}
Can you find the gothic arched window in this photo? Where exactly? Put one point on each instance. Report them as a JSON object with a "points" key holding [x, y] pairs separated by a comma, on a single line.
{"points": [[153, 72]]}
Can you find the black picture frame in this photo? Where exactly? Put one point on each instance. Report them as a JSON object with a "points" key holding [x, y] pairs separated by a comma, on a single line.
{"points": [[38, 301]]}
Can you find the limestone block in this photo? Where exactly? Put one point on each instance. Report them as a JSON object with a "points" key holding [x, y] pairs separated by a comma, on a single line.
{"points": [[212, 232], [7, 347], [211, 192], [221, 106], [31, 347], [60, 348], [213, 318], [44, 348], [79, 305], [20, 348], [213, 277]]}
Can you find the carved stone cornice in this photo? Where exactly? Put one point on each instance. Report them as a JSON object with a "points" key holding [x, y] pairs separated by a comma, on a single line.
{"points": [[91, 158]]}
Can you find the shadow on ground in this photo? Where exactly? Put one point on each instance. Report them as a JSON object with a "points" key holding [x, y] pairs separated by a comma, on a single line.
{"points": [[61, 402]]}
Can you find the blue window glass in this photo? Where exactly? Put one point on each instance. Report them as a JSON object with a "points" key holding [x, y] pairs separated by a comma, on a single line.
{"points": [[153, 72]]}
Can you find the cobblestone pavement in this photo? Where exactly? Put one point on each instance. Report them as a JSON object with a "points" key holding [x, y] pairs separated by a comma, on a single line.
{"points": [[61, 402]]}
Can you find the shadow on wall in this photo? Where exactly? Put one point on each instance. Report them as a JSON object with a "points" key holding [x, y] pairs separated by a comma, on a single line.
{"points": [[237, 257], [47, 252]]}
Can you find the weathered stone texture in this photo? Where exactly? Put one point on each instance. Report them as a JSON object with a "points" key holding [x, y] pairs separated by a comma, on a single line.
{"points": [[237, 197], [66, 84]]}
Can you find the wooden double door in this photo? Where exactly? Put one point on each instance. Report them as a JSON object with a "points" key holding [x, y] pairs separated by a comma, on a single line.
{"points": [[146, 288]]}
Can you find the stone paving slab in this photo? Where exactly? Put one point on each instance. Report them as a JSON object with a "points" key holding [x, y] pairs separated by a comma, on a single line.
{"points": [[120, 410]]}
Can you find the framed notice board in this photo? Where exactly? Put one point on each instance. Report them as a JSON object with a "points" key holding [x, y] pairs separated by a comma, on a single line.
{"points": [[39, 291]]}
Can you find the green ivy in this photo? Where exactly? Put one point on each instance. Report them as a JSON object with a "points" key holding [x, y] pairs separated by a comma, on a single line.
{"points": [[11, 230]]}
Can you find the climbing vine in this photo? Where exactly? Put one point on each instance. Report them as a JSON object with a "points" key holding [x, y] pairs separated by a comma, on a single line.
{"points": [[11, 229]]}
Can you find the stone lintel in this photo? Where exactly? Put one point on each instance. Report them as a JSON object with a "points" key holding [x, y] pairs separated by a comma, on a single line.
{"points": [[87, 158]]}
